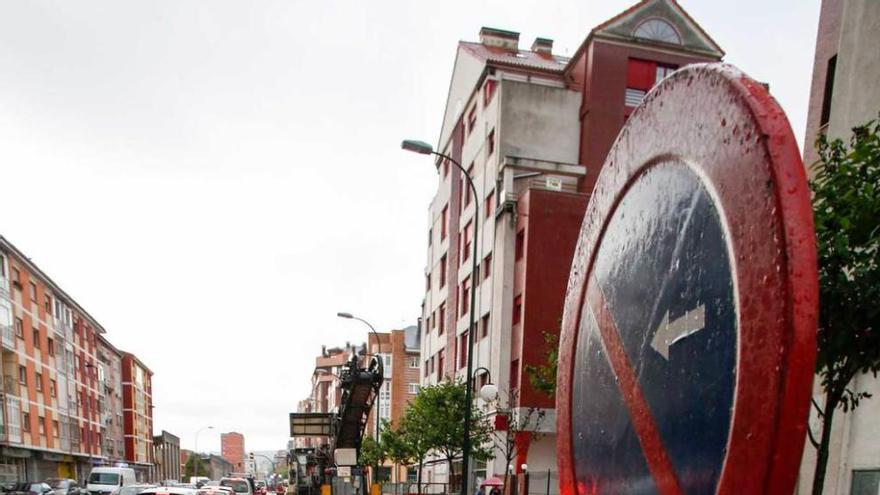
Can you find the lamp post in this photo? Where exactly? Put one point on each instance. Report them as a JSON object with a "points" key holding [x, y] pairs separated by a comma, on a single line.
{"points": [[196, 463], [424, 148], [381, 368]]}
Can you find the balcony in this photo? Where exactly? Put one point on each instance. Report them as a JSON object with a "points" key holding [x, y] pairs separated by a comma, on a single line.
{"points": [[11, 386], [7, 337]]}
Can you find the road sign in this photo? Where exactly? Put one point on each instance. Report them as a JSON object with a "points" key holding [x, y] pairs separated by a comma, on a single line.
{"points": [[688, 339], [310, 424], [343, 471]]}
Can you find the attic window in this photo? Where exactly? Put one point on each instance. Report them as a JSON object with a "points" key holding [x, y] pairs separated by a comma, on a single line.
{"points": [[657, 30]]}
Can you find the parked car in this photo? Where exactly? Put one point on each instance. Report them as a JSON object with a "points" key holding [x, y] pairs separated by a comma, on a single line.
{"points": [[132, 489], [168, 490], [66, 486], [215, 490], [29, 489]]}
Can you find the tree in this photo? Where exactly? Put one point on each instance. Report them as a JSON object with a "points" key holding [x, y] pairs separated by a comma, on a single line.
{"points": [[543, 376], [439, 410], [846, 206], [395, 446], [518, 426], [416, 440], [189, 469], [372, 454]]}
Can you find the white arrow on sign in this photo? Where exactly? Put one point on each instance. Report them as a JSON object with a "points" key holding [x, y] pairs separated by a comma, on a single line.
{"points": [[670, 332]]}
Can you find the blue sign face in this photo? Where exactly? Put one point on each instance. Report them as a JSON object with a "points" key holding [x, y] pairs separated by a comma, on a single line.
{"points": [[655, 364]]}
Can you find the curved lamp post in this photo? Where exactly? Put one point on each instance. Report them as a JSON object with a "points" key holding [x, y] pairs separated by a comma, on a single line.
{"points": [[424, 148], [198, 457]]}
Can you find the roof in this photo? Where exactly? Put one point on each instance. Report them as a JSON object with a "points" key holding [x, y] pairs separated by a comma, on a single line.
{"points": [[525, 59], [55, 288]]}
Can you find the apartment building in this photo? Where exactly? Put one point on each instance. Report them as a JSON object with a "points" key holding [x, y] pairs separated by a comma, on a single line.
{"points": [[326, 393], [844, 94], [52, 396], [532, 129], [400, 354], [111, 407], [232, 449], [137, 403]]}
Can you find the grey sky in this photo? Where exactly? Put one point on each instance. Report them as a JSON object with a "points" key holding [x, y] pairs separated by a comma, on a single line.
{"points": [[214, 180]]}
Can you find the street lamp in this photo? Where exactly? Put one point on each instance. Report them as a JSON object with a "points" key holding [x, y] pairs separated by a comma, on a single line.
{"points": [[381, 369], [424, 148], [196, 463], [489, 391]]}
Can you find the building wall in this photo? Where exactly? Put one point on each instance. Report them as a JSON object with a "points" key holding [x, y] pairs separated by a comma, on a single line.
{"points": [[51, 394], [137, 414], [166, 455], [232, 449], [111, 409], [851, 30]]}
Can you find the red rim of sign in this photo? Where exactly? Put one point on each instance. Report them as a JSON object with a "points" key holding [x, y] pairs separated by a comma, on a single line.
{"points": [[736, 138]]}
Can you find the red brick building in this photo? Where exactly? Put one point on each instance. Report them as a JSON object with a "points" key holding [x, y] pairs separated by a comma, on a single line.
{"points": [[232, 449], [137, 403], [532, 130]]}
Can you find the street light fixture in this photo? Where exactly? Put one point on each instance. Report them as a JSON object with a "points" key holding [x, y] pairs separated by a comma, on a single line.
{"points": [[198, 457], [424, 148], [381, 368]]}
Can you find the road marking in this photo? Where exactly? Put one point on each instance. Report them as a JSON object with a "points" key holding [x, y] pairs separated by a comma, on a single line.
{"points": [[668, 332]]}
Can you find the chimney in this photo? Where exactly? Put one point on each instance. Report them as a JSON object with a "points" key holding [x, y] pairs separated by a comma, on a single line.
{"points": [[543, 46], [509, 40], [324, 350]]}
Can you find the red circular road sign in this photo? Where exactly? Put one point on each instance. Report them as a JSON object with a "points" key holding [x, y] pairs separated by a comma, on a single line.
{"points": [[688, 339]]}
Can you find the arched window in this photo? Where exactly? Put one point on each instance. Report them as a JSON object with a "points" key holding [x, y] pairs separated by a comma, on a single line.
{"points": [[658, 30]]}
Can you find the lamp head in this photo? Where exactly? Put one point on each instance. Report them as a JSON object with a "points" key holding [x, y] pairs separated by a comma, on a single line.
{"points": [[488, 392], [345, 315], [417, 146]]}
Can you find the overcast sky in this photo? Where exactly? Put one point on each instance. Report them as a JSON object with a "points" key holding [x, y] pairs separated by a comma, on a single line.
{"points": [[214, 180]]}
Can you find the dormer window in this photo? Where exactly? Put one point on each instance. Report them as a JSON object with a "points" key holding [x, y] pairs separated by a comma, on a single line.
{"points": [[657, 30]]}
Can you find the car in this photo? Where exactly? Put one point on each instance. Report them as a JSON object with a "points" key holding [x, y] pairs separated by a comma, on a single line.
{"points": [[241, 486], [29, 489], [132, 489], [66, 486], [215, 490], [105, 480], [168, 490]]}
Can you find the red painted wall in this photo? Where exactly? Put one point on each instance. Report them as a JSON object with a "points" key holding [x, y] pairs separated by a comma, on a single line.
{"points": [[453, 305], [553, 221], [602, 107]]}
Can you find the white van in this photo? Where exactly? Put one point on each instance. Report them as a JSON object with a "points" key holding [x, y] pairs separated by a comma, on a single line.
{"points": [[103, 480]]}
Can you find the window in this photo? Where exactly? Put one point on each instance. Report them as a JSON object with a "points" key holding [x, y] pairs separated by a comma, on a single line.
{"points": [[462, 349], [441, 358], [38, 378], [52, 388], [489, 204], [466, 187], [47, 303], [413, 362], [428, 282], [641, 76], [662, 72], [487, 266], [443, 271], [865, 482], [517, 309], [56, 428], [50, 347], [26, 422], [490, 146], [426, 366], [413, 388], [33, 291], [514, 374], [657, 30], [16, 278], [465, 293], [430, 235], [830, 69], [520, 244], [42, 424], [472, 120], [442, 318], [489, 91], [634, 97], [484, 326], [19, 330], [22, 375], [444, 221], [466, 248], [445, 168], [2, 266], [36, 336]]}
